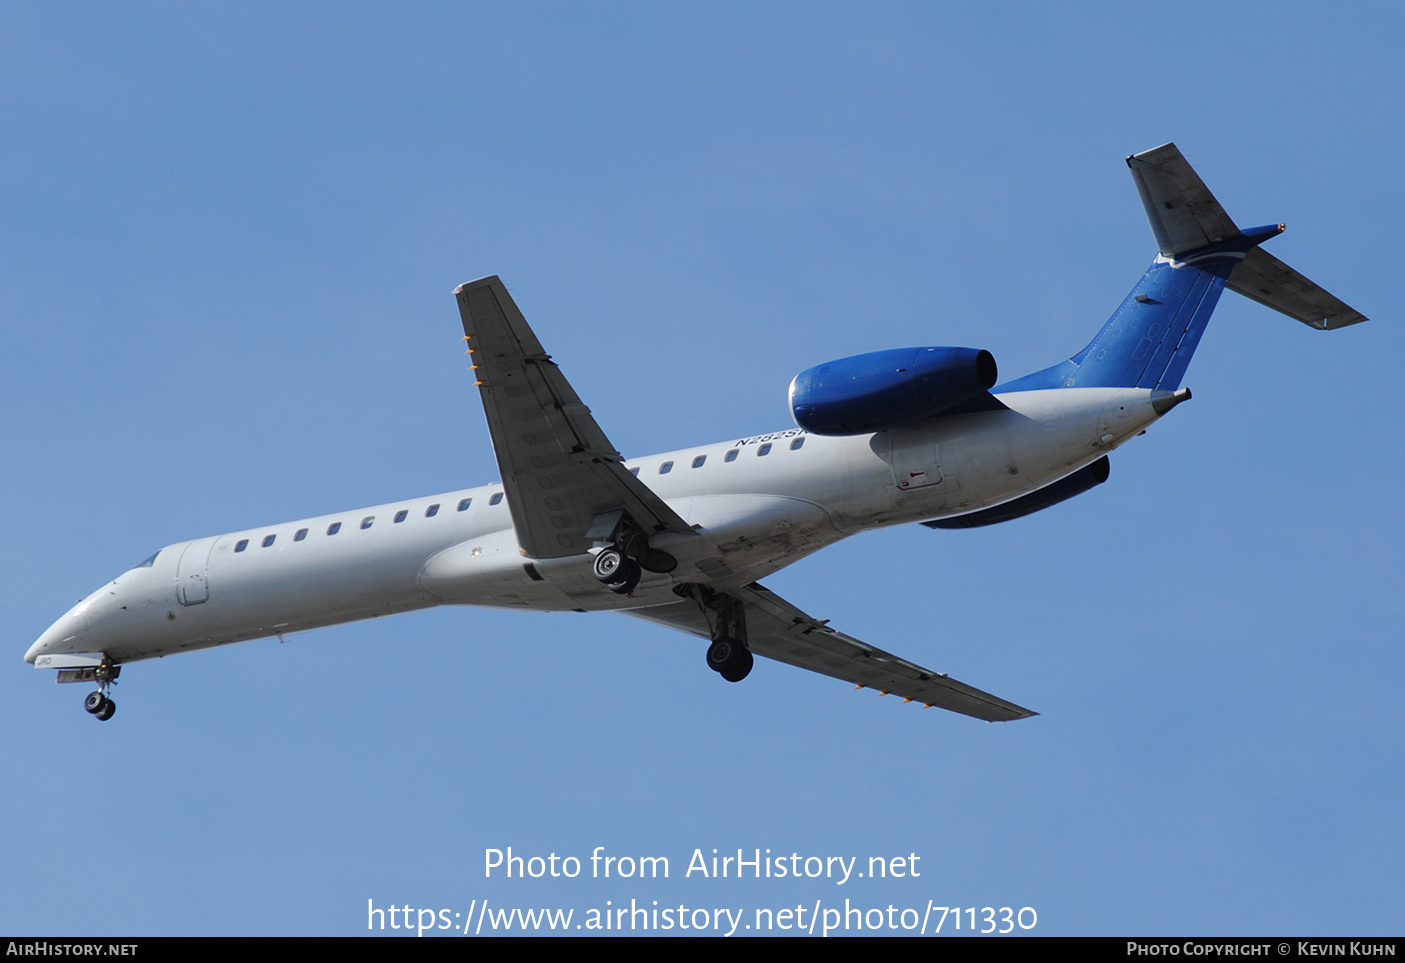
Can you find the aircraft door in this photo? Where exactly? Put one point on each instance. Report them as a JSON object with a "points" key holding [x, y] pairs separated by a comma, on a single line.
{"points": [[192, 571], [917, 461]]}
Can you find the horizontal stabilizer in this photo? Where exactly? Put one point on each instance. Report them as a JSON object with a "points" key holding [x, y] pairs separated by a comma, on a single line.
{"points": [[1267, 280], [1184, 215], [1187, 220]]}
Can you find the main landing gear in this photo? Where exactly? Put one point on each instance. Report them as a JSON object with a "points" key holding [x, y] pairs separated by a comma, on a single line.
{"points": [[728, 654], [729, 659], [627, 555], [98, 703], [617, 571]]}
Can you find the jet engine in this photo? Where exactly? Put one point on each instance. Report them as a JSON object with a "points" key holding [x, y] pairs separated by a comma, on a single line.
{"points": [[885, 389]]}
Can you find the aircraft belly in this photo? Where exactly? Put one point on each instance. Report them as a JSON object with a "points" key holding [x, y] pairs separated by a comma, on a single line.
{"points": [[736, 538], [741, 537], [492, 571]]}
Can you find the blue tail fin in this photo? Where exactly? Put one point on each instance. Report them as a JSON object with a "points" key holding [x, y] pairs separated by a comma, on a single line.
{"points": [[1149, 340]]}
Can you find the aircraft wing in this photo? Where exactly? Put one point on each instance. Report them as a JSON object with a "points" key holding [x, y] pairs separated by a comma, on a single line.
{"points": [[780, 631], [1184, 215], [558, 469]]}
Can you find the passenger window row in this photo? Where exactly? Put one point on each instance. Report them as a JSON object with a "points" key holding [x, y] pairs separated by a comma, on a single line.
{"points": [[731, 456], [496, 497], [367, 522]]}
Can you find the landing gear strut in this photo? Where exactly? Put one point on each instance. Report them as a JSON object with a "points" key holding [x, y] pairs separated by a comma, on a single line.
{"points": [[98, 703], [628, 556], [728, 654]]}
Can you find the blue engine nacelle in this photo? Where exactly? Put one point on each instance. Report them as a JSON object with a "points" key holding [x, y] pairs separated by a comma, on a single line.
{"points": [[871, 392]]}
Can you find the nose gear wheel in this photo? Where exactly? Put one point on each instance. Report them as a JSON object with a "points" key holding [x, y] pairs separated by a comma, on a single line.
{"points": [[98, 703]]}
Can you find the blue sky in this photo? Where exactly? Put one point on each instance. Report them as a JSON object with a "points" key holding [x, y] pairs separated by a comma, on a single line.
{"points": [[230, 237]]}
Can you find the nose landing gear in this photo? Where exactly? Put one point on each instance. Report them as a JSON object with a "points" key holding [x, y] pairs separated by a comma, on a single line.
{"points": [[98, 703]]}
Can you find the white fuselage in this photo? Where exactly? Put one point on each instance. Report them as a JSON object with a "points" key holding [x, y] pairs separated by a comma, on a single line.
{"points": [[751, 515]]}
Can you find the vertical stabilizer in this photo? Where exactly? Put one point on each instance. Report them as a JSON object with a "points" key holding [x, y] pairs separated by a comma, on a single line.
{"points": [[1148, 342]]}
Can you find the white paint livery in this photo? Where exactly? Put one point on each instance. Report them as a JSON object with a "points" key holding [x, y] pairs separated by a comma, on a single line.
{"points": [[747, 518], [682, 538]]}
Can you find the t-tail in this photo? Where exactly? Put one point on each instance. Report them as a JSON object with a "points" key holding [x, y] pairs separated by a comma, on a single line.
{"points": [[1149, 340]]}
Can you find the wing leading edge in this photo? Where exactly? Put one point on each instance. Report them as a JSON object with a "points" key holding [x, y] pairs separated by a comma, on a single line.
{"points": [[780, 631], [558, 469]]}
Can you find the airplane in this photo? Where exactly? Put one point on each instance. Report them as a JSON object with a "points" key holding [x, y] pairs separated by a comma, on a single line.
{"points": [[912, 435]]}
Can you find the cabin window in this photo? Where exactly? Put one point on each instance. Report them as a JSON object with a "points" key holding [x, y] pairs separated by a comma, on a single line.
{"points": [[299, 535], [401, 515], [665, 468], [242, 544], [367, 522], [634, 472], [463, 505], [763, 450], [698, 461], [731, 455], [333, 528], [795, 445], [497, 497], [268, 540], [431, 511]]}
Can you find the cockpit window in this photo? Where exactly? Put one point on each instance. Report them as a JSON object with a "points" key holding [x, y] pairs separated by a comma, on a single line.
{"points": [[148, 562]]}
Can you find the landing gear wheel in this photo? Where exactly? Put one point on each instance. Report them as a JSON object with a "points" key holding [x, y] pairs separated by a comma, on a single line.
{"points": [[108, 708], [610, 565], [631, 580], [618, 571], [94, 702], [727, 655], [741, 671]]}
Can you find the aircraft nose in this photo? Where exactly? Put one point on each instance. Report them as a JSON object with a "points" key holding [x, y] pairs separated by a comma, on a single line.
{"points": [[65, 635]]}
